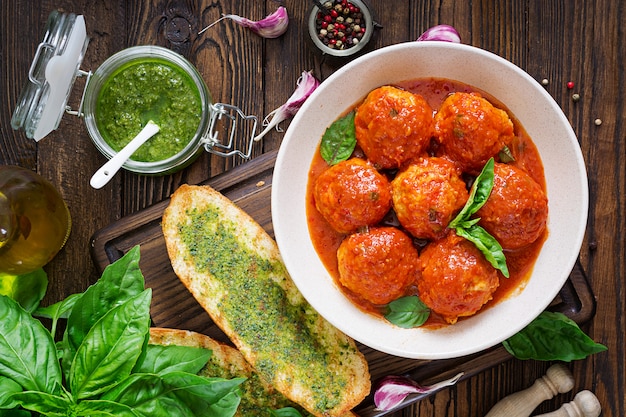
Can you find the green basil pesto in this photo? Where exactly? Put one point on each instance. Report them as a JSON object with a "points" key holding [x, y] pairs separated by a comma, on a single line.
{"points": [[149, 89], [281, 333]]}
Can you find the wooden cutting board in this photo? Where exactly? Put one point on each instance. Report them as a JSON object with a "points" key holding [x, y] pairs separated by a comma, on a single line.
{"points": [[249, 186]]}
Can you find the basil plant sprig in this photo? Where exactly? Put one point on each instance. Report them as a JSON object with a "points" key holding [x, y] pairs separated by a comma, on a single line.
{"points": [[103, 365], [468, 228]]}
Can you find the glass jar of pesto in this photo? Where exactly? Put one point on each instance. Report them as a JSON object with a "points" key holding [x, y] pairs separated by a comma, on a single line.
{"points": [[145, 83], [131, 87]]}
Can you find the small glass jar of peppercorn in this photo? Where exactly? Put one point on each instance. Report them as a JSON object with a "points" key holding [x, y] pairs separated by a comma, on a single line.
{"points": [[340, 28]]}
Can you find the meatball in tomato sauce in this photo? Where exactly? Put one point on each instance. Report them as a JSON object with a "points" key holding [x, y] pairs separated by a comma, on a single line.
{"points": [[378, 265], [456, 280], [426, 195], [393, 126], [352, 194], [471, 130], [516, 211]]}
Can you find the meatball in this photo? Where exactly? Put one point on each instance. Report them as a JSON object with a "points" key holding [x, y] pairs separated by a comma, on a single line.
{"points": [[516, 211], [378, 265], [456, 280], [471, 130], [393, 126], [352, 194], [426, 195]]}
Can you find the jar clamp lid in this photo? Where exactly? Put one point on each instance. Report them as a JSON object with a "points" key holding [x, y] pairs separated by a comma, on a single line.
{"points": [[52, 74]]}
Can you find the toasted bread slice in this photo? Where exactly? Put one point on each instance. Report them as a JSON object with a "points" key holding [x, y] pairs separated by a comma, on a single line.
{"points": [[234, 269], [257, 397]]}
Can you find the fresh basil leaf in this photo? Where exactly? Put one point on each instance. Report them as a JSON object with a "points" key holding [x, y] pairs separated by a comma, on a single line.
{"points": [[226, 406], [44, 403], [192, 394], [119, 282], [110, 350], [469, 229], [285, 412], [57, 311], [27, 351], [407, 312], [8, 387], [206, 396], [552, 336], [162, 360], [339, 140], [488, 245], [479, 193], [210, 389], [28, 289], [103, 408], [148, 395]]}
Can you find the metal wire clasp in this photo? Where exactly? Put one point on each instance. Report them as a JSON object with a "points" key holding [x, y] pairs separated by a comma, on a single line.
{"points": [[226, 118]]}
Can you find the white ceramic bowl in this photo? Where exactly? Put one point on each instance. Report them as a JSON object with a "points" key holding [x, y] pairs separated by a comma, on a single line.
{"points": [[566, 182]]}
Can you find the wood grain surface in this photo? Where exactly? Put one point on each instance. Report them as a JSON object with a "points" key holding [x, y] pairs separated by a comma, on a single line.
{"points": [[575, 40]]}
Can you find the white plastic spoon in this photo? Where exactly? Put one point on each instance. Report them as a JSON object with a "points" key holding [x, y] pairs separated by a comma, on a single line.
{"points": [[108, 170]]}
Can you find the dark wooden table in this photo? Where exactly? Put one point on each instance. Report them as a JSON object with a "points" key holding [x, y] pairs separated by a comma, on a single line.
{"points": [[579, 41]]}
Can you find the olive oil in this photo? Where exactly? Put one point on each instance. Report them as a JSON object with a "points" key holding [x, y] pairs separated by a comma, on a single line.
{"points": [[34, 221]]}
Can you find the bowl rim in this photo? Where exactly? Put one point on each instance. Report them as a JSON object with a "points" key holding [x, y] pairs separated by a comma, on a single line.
{"points": [[371, 333]]}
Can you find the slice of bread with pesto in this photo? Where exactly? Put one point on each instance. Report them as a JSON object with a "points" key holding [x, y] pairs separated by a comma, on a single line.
{"points": [[257, 397], [234, 269]]}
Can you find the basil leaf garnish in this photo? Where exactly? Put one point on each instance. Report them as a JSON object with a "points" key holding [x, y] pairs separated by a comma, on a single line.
{"points": [[487, 244], [469, 229], [407, 312], [481, 189], [550, 337], [506, 155], [339, 140]]}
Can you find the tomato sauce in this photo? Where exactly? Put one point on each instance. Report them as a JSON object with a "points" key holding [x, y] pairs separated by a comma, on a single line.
{"points": [[520, 262]]}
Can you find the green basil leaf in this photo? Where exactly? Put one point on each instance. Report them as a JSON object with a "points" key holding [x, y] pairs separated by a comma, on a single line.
{"points": [[119, 282], [147, 395], [28, 289], [112, 347], [57, 311], [339, 140], [469, 229], [550, 337], [226, 406], [97, 408], [488, 245], [198, 388], [27, 351], [407, 312], [479, 193], [162, 360], [285, 412], [8, 387], [44, 403], [191, 394]]}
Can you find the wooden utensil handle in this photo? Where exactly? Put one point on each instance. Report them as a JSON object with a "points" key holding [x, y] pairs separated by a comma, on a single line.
{"points": [[585, 404], [558, 379]]}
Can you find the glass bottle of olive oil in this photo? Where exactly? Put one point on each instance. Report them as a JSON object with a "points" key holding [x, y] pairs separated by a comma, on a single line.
{"points": [[34, 221]]}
